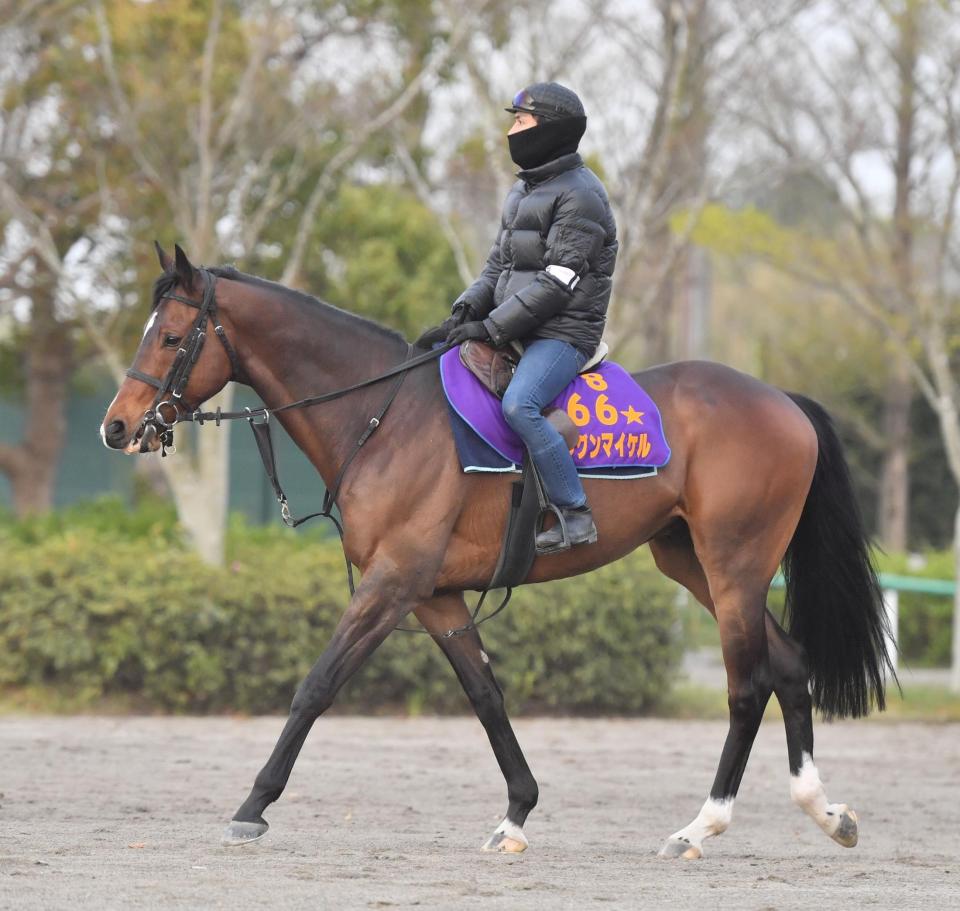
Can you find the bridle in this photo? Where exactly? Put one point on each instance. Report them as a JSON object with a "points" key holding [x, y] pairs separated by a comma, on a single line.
{"points": [[170, 389]]}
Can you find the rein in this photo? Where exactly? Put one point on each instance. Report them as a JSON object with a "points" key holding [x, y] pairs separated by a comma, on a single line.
{"points": [[178, 376]]}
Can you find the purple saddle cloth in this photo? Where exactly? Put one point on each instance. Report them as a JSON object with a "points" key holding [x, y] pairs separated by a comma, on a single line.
{"points": [[618, 424]]}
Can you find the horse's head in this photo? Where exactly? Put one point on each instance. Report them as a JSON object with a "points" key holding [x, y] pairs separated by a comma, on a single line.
{"points": [[174, 371]]}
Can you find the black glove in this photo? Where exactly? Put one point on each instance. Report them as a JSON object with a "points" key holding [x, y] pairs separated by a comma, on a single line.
{"points": [[468, 331]]}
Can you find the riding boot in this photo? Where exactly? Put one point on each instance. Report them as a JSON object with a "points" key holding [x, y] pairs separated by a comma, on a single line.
{"points": [[580, 530]]}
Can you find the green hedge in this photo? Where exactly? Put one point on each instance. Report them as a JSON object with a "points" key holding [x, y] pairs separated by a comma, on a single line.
{"points": [[926, 621], [106, 610]]}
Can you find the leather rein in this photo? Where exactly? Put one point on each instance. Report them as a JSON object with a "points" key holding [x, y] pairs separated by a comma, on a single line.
{"points": [[170, 391]]}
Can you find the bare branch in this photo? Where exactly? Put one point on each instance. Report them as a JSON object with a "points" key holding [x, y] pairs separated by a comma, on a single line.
{"points": [[665, 269], [44, 243], [240, 103], [427, 197], [126, 119], [353, 145], [204, 132], [8, 279], [865, 430]]}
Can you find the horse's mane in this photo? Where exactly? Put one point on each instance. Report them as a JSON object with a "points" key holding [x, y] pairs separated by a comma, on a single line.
{"points": [[167, 281]]}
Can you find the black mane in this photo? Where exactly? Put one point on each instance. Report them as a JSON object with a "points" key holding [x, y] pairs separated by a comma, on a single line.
{"points": [[168, 280]]}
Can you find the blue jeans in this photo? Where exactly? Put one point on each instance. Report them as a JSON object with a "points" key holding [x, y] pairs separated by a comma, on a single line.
{"points": [[545, 369]]}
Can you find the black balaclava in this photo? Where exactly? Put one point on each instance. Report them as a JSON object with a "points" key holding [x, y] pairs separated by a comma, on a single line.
{"points": [[548, 140]]}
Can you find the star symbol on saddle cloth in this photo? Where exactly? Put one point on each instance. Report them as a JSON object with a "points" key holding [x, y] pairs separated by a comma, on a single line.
{"points": [[632, 416]]}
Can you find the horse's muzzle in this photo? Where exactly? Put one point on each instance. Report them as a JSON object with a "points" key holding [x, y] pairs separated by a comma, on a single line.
{"points": [[115, 434]]}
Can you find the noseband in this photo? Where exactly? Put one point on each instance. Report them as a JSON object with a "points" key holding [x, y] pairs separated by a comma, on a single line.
{"points": [[170, 389]]}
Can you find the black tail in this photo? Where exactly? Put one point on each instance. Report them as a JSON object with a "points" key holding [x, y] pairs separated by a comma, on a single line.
{"points": [[834, 601]]}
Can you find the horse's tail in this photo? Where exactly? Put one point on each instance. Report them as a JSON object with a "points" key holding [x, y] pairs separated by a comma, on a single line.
{"points": [[834, 600]]}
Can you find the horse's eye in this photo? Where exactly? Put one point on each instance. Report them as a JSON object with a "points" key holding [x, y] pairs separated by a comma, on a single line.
{"points": [[171, 341]]}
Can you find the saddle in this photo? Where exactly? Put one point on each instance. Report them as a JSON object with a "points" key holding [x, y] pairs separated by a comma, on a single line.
{"points": [[494, 367]]}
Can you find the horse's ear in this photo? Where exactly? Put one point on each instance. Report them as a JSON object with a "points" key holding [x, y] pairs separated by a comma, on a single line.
{"points": [[185, 271], [165, 262]]}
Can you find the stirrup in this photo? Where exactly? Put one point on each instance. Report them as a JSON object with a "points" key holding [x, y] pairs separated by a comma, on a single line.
{"points": [[564, 542]]}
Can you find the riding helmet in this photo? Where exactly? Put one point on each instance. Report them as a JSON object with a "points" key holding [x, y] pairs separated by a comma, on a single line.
{"points": [[548, 100]]}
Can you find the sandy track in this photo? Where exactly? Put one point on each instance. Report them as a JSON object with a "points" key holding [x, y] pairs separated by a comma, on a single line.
{"points": [[384, 813]]}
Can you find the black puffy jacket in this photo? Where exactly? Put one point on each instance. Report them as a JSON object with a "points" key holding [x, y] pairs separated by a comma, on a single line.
{"points": [[555, 215]]}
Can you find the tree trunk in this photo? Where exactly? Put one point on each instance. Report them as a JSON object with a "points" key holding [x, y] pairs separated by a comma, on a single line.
{"points": [[894, 506], [659, 332], [199, 478], [31, 466], [895, 479], [680, 179], [955, 650]]}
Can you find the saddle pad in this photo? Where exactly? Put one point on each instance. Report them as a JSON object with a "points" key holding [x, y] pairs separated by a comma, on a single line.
{"points": [[618, 424], [478, 456]]}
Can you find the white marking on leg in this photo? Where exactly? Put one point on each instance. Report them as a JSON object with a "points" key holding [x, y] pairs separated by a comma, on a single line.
{"points": [[807, 792], [511, 830], [483, 657], [714, 817], [508, 838]]}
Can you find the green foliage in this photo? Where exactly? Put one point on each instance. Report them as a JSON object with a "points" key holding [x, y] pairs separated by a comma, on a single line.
{"points": [[102, 609], [104, 519], [388, 258], [926, 621]]}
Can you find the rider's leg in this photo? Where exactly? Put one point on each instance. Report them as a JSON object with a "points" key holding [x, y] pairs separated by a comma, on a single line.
{"points": [[544, 371]]}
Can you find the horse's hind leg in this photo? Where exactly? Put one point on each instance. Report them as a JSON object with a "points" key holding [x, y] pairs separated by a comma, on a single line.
{"points": [[677, 559], [736, 595], [790, 682], [472, 666], [381, 600], [743, 639]]}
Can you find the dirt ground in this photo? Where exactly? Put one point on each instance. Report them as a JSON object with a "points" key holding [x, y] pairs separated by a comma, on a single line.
{"points": [[390, 813]]}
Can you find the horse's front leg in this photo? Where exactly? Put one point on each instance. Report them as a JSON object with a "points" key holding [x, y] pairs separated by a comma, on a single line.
{"points": [[472, 666], [382, 599]]}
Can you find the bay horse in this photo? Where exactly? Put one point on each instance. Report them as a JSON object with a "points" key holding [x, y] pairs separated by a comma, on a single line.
{"points": [[757, 480]]}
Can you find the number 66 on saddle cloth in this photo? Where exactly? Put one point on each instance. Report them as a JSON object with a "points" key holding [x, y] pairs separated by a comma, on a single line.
{"points": [[618, 425]]}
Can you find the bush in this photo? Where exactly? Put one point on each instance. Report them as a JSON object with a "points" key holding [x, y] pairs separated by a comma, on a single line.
{"points": [[926, 621], [122, 610]]}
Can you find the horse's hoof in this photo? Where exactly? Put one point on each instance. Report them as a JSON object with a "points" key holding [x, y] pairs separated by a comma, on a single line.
{"points": [[508, 839], [504, 844], [677, 847], [243, 833], [848, 831]]}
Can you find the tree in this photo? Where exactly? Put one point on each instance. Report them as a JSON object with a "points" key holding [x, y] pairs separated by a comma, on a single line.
{"points": [[879, 118], [38, 231], [219, 121]]}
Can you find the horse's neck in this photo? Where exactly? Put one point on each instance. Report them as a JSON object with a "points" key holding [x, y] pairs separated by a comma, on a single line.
{"points": [[291, 351]]}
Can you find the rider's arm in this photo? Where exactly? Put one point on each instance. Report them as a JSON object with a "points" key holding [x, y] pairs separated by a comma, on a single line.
{"points": [[574, 241], [478, 298]]}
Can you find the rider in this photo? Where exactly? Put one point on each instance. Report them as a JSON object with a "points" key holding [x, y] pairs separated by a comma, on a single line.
{"points": [[546, 283]]}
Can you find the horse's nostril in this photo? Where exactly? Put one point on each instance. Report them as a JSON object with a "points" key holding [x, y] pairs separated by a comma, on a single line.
{"points": [[114, 433]]}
